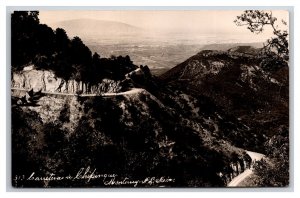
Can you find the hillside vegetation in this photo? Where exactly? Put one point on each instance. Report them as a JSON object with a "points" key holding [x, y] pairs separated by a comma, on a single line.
{"points": [[253, 90]]}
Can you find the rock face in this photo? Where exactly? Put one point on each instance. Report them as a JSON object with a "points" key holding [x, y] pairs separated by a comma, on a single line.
{"points": [[47, 81]]}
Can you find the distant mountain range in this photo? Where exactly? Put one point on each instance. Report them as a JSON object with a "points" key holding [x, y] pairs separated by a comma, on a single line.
{"points": [[88, 27], [231, 46]]}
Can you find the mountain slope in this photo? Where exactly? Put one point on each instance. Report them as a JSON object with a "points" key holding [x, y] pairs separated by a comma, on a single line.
{"points": [[236, 83]]}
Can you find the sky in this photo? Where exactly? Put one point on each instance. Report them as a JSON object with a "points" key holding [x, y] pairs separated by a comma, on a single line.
{"points": [[200, 22]]}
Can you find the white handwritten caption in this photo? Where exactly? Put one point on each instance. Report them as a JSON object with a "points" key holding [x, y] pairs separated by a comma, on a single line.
{"points": [[89, 174]]}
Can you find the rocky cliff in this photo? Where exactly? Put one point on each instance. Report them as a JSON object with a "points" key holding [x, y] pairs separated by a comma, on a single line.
{"points": [[43, 80]]}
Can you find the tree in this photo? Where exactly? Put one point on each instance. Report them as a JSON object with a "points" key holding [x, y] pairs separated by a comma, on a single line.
{"points": [[61, 40], [274, 171], [23, 40], [97, 72], [256, 20], [81, 58]]}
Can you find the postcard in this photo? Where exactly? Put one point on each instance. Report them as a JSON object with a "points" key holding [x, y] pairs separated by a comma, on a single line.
{"points": [[149, 98]]}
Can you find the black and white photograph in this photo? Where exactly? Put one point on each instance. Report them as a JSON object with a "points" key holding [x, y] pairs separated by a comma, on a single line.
{"points": [[150, 98]]}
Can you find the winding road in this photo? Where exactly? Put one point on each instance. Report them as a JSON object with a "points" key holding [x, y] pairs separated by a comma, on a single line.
{"points": [[238, 179], [130, 92]]}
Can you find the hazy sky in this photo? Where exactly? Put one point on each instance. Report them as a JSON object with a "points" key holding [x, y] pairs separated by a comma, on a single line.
{"points": [[202, 21]]}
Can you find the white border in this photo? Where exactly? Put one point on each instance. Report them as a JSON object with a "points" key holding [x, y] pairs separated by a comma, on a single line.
{"points": [[294, 93]]}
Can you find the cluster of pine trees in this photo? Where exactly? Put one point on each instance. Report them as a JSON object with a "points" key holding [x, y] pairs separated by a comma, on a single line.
{"points": [[38, 44]]}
